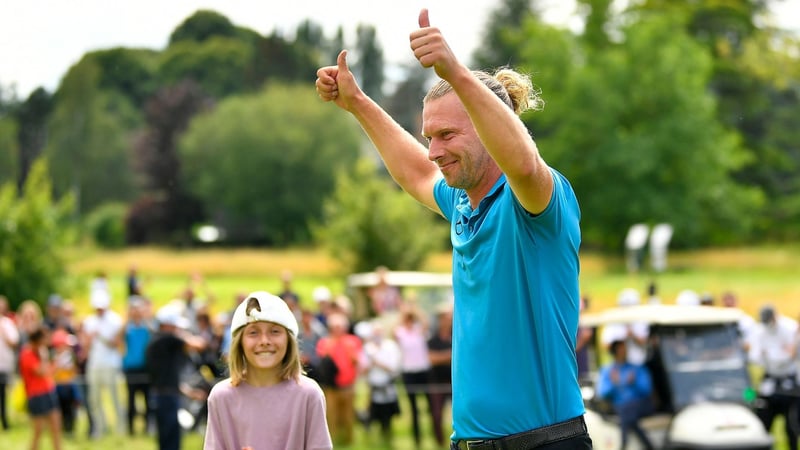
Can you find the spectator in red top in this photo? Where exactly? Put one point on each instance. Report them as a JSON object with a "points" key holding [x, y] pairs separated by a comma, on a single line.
{"points": [[344, 348], [36, 371]]}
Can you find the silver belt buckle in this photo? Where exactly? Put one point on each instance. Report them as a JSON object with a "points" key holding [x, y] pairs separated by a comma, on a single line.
{"points": [[474, 442]]}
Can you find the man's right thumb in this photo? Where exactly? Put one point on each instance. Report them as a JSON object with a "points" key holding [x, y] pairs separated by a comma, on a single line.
{"points": [[341, 61], [424, 21]]}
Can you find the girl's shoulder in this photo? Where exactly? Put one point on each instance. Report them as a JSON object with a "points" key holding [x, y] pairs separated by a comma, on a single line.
{"points": [[222, 388], [306, 382], [310, 385]]}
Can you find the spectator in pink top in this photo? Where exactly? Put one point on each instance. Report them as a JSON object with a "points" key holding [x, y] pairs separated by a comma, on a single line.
{"points": [[267, 403], [412, 335], [384, 298]]}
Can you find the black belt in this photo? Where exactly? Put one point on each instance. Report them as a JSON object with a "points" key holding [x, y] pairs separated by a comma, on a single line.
{"points": [[527, 439]]}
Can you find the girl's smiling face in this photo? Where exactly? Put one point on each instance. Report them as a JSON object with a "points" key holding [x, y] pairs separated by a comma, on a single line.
{"points": [[264, 346]]}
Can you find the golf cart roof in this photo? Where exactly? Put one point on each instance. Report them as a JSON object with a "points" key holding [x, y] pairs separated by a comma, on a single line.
{"points": [[401, 279], [664, 315], [430, 290]]}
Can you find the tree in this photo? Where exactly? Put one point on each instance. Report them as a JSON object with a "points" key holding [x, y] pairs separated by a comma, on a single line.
{"points": [[405, 103], [36, 230], [9, 144], [9, 164], [219, 64], [368, 222], [595, 32], [166, 212], [130, 72], [310, 36], [202, 26], [90, 134], [337, 44], [262, 164], [369, 66], [496, 50], [32, 117], [639, 139], [754, 78], [281, 60]]}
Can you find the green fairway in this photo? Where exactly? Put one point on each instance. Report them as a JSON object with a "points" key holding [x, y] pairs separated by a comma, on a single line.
{"points": [[756, 275]]}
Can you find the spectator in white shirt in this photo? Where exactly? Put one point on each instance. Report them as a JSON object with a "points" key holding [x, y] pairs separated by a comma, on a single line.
{"points": [[101, 334], [9, 340], [774, 350]]}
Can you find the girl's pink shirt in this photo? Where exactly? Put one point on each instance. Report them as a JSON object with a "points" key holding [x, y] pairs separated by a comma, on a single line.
{"points": [[287, 416]]}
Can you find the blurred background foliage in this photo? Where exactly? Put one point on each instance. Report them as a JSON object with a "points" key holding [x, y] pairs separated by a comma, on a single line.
{"points": [[667, 111]]}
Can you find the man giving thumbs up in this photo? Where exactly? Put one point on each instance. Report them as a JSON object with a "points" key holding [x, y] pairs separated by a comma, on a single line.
{"points": [[515, 233]]}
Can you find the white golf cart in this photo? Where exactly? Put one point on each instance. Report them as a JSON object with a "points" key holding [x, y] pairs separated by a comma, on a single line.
{"points": [[428, 289], [703, 392]]}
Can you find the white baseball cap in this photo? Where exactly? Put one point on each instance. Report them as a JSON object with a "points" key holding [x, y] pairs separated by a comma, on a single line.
{"points": [[171, 315], [687, 297], [628, 297], [321, 294], [99, 299], [272, 309]]}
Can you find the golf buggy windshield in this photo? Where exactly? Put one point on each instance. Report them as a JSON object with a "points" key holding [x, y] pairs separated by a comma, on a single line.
{"points": [[703, 363]]}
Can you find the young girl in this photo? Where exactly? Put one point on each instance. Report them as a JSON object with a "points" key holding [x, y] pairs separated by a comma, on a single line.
{"points": [[65, 374], [40, 388], [267, 403]]}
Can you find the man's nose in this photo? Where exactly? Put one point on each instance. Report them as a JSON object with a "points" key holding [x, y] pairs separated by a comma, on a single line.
{"points": [[435, 150]]}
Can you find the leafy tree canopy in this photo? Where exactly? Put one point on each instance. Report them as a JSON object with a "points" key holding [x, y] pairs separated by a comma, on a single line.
{"points": [[262, 164], [218, 64], [639, 140], [202, 26], [90, 133]]}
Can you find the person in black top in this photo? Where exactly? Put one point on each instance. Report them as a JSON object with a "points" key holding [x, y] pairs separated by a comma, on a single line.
{"points": [[440, 347], [132, 282], [167, 355]]}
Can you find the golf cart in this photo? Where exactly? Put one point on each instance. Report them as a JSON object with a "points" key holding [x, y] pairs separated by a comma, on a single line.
{"points": [[703, 394], [428, 289]]}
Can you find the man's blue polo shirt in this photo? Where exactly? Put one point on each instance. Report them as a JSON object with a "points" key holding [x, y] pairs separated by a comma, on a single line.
{"points": [[515, 282]]}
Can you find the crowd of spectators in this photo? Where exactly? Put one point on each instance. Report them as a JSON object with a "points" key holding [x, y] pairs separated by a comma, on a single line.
{"points": [[101, 370], [102, 363]]}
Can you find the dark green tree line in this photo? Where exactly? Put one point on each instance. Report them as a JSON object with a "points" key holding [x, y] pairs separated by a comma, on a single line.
{"points": [[671, 110]]}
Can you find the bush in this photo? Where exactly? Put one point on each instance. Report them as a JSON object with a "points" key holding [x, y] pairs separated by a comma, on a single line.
{"points": [[368, 222], [106, 225], [34, 232]]}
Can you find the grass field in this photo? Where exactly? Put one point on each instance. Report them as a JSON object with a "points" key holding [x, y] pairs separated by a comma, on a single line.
{"points": [[18, 437], [757, 275]]}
